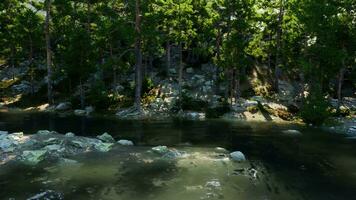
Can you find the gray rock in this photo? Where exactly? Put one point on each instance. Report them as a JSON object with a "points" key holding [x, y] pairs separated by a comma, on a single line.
{"points": [[172, 71], [47, 195], [125, 142], [213, 184], [190, 70], [191, 115], [50, 141], [33, 157], [173, 154], [9, 142], [24, 87], [220, 150], [167, 153], [238, 156], [106, 137], [79, 144], [3, 133], [352, 130], [64, 106], [69, 134], [79, 112], [89, 110], [160, 150], [103, 147], [54, 148], [119, 88], [44, 132]]}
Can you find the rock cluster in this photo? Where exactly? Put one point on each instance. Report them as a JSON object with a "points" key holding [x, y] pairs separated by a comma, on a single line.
{"points": [[32, 149]]}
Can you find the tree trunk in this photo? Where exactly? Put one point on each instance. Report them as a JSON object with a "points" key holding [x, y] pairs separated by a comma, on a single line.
{"points": [[277, 69], [217, 55], [138, 55], [168, 54], [339, 88], [13, 49], [81, 91], [180, 76], [49, 53], [231, 73], [114, 68], [237, 85], [30, 59]]}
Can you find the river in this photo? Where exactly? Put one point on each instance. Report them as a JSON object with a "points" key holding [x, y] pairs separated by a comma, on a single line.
{"points": [[314, 165]]}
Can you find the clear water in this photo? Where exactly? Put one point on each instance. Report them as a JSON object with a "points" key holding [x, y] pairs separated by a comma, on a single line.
{"points": [[316, 165]]}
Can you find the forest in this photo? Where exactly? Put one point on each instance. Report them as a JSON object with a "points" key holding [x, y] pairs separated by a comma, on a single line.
{"points": [[177, 99], [107, 53]]}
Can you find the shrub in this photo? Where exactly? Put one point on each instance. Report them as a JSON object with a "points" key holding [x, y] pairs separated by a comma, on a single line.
{"points": [[189, 103], [315, 109], [98, 96], [218, 111]]}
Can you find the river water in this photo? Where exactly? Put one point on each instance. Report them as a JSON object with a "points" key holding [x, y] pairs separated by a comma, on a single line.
{"points": [[314, 165]]}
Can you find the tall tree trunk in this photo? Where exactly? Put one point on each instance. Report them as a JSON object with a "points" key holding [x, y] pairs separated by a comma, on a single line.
{"points": [[237, 85], [231, 73], [81, 91], [168, 54], [13, 53], [114, 68], [31, 64], [138, 55], [49, 53], [339, 88], [217, 55], [277, 69], [180, 76]]}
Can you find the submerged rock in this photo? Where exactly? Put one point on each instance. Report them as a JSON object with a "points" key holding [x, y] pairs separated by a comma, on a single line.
{"points": [[351, 130], [33, 157], [213, 184], [106, 137], [160, 150], [125, 142], [68, 162], [238, 156], [79, 112], [292, 132], [165, 152], [47, 195]]}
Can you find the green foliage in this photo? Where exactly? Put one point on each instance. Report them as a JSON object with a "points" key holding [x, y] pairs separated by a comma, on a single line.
{"points": [[253, 109], [189, 103], [97, 37], [147, 85], [98, 96], [315, 109]]}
